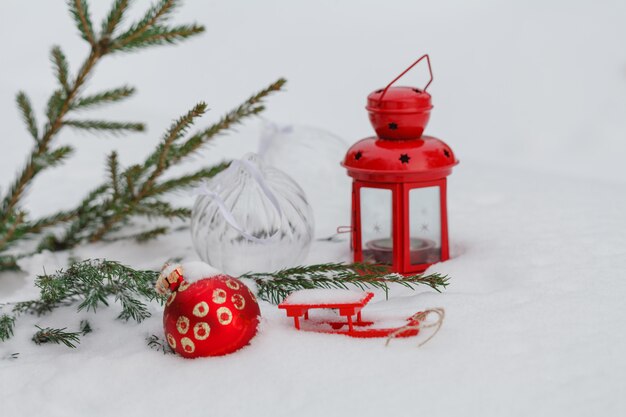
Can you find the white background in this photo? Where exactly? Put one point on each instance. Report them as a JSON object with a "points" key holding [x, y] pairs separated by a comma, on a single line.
{"points": [[531, 96]]}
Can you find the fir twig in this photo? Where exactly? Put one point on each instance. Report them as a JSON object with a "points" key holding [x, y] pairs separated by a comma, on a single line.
{"points": [[102, 98], [113, 168], [158, 13], [85, 327], [61, 68], [23, 103], [7, 324], [114, 128], [142, 190], [114, 18], [69, 98], [79, 9], [276, 286], [57, 336], [156, 343]]}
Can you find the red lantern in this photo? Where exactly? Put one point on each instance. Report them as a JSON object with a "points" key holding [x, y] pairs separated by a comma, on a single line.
{"points": [[399, 208]]}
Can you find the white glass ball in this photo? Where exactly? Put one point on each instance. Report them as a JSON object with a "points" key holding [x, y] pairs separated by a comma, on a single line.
{"points": [[252, 218]]}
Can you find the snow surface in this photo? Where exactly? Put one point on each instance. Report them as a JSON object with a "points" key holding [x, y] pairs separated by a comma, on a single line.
{"points": [[193, 271], [324, 296], [531, 96]]}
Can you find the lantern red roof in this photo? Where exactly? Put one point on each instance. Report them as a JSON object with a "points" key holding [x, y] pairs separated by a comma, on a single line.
{"points": [[420, 159]]}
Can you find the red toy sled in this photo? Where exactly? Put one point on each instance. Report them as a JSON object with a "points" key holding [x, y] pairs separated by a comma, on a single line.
{"points": [[348, 304]]}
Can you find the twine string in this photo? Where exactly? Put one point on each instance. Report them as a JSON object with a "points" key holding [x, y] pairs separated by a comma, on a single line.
{"points": [[416, 322]]}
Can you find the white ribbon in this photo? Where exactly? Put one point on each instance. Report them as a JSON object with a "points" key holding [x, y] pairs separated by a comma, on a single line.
{"points": [[228, 214]]}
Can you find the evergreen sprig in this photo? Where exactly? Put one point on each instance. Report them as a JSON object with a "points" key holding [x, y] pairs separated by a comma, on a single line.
{"points": [[156, 343], [102, 98], [276, 286], [7, 323], [94, 283], [138, 190], [56, 336], [114, 128], [151, 30]]}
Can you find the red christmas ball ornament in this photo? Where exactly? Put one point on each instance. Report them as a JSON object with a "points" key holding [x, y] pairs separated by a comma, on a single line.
{"points": [[211, 316]]}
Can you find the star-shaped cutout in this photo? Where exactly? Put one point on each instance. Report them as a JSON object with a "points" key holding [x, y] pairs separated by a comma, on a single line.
{"points": [[358, 155], [377, 228], [424, 228], [393, 125], [404, 158]]}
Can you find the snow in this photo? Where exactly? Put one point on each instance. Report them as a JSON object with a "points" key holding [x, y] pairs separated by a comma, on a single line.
{"points": [[324, 296], [194, 271], [530, 95]]}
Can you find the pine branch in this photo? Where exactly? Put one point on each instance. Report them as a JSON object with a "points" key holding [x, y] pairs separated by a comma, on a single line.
{"points": [[52, 158], [158, 13], [85, 327], [93, 283], [79, 9], [23, 103], [114, 18], [113, 167], [67, 99], [153, 209], [114, 128], [169, 153], [252, 106], [160, 158], [105, 97], [160, 35], [8, 235], [151, 234], [276, 286], [7, 325], [8, 263], [57, 336], [156, 343], [23, 230], [61, 68], [188, 181]]}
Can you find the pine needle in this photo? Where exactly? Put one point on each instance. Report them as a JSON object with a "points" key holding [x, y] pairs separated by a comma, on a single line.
{"points": [[61, 68], [114, 128], [26, 109], [79, 9], [103, 98], [114, 18]]}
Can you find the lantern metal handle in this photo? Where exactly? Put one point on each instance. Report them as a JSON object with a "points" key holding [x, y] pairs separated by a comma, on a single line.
{"points": [[430, 70]]}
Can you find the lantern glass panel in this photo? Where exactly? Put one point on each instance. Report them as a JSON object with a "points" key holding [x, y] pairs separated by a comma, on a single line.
{"points": [[425, 225], [376, 225]]}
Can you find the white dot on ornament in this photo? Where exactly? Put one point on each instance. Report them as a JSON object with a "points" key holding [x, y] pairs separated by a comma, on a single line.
{"points": [[171, 341], [219, 296], [234, 285], [201, 330], [224, 315], [188, 344], [201, 309], [183, 286], [182, 324], [238, 301]]}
